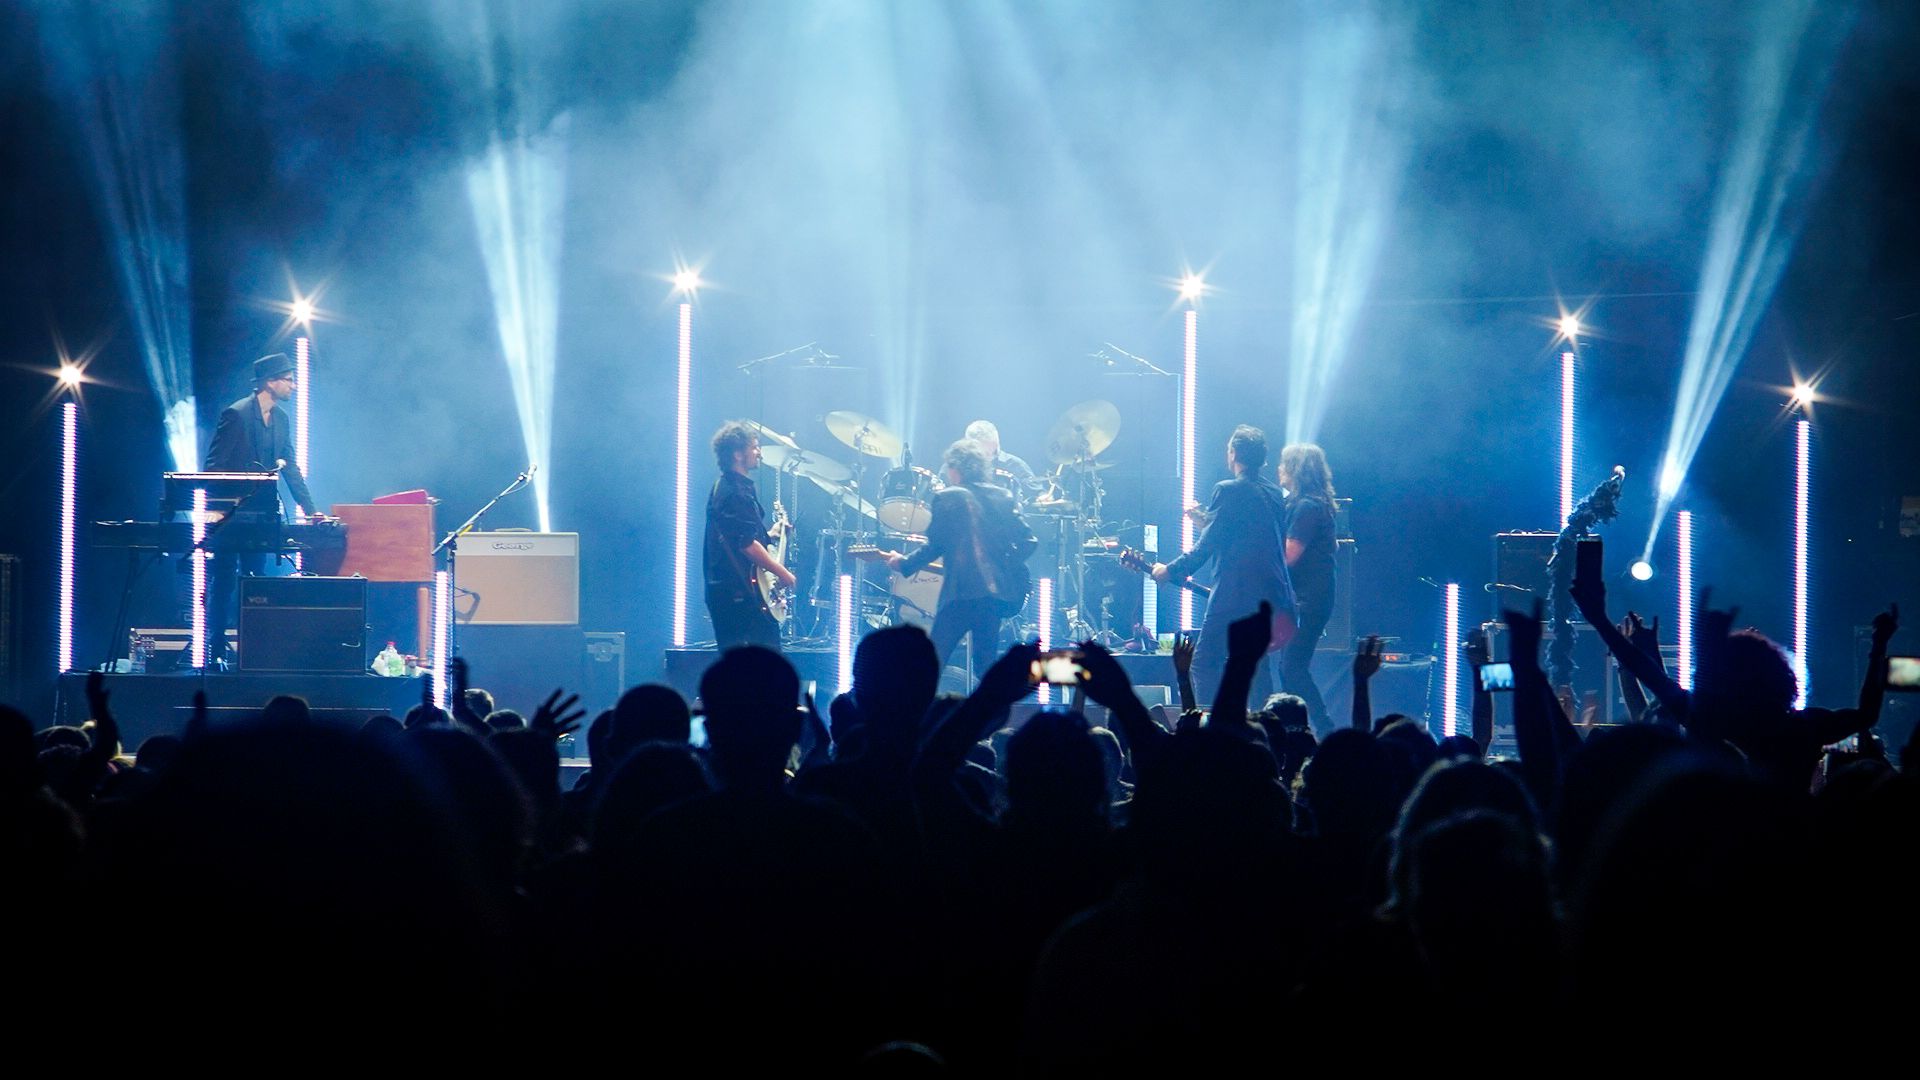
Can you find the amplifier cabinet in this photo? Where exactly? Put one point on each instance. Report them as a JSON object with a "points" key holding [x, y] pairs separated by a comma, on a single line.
{"points": [[518, 579], [303, 624]]}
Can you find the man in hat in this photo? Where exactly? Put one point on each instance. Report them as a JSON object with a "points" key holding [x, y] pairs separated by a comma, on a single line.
{"points": [[253, 435]]}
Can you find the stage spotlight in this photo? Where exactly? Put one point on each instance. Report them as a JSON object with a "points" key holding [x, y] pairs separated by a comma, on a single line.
{"points": [[302, 311], [1803, 452], [1450, 662], [686, 281], [1758, 208], [1683, 586], [1570, 327], [1192, 286], [70, 376], [1642, 570], [1802, 395]]}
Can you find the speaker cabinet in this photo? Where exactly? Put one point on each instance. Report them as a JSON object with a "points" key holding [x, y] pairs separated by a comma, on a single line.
{"points": [[303, 624], [518, 579], [521, 665]]}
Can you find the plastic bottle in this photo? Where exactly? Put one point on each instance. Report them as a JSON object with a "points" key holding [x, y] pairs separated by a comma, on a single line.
{"points": [[388, 662]]}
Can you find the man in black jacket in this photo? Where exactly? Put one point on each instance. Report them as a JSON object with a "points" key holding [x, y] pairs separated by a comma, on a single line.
{"points": [[978, 530], [735, 546], [1247, 533], [253, 435]]}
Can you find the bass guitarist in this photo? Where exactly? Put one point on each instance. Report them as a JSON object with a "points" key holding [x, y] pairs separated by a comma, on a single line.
{"points": [[736, 545], [977, 529]]}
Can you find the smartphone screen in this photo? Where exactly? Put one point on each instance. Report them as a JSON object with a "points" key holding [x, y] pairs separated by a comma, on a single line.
{"points": [[1496, 677], [1903, 673], [1061, 667], [1586, 563]]}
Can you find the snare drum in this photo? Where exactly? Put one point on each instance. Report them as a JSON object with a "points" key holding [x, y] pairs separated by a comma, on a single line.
{"points": [[906, 499]]}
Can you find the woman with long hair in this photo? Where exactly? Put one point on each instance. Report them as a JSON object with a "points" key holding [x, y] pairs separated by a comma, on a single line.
{"points": [[1310, 545]]}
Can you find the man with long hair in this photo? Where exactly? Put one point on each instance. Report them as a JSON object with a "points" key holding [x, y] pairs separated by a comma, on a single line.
{"points": [[1309, 552]]}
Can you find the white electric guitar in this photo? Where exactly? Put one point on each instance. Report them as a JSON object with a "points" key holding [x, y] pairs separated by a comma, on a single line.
{"points": [[777, 597]]}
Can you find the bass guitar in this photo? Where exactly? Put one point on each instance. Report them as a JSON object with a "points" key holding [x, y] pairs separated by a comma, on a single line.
{"points": [[775, 597], [1133, 560]]}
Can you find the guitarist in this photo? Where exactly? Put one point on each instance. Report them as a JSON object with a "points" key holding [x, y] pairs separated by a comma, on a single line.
{"points": [[1246, 532], [977, 528], [736, 545]]}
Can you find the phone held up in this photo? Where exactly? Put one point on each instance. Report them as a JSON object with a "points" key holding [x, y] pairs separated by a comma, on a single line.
{"points": [[1495, 677], [1903, 674], [1057, 667]]}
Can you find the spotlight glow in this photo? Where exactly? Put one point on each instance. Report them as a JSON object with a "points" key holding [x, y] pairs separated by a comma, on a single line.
{"points": [[1192, 287], [1642, 570], [442, 635], [1187, 447], [1567, 377], [682, 475], [845, 636], [686, 281], [1569, 326], [199, 647], [302, 311], [69, 495], [1803, 452], [1450, 663], [70, 376], [1683, 587], [1802, 395]]}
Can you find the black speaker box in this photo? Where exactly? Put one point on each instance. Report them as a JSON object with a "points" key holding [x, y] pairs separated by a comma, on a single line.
{"points": [[521, 665], [303, 624]]}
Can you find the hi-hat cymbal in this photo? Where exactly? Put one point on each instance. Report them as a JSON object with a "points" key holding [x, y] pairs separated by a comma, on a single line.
{"points": [[770, 437], [818, 468], [865, 434], [1084, 431]]}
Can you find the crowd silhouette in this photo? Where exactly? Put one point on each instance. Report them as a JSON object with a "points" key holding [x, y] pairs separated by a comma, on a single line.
{"points": [[912, 884]]}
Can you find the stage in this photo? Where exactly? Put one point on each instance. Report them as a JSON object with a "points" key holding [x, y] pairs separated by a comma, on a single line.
{"points": [[147, 705]]}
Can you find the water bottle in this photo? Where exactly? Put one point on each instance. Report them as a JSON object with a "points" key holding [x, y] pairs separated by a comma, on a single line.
{"points": [[142, 650], [388, 662]]}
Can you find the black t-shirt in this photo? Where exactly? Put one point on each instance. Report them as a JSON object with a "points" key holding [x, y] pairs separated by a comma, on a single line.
{"points": [[1310, 523], [734, 520]]}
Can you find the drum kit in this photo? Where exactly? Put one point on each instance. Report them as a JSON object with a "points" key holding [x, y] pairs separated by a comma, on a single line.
{"points": [[1063, 506]]}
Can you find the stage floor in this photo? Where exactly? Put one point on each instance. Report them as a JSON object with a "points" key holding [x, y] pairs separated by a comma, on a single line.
{"points": [[145, 705]]}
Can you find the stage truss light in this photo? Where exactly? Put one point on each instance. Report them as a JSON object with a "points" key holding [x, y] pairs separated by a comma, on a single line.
{"points": [[1187, 448], [70, 376], [1683, 588], [845, 638], [1569, 326], [69, 498], [1802, 396], [682, 473], [442, 635], [1642, 570], [1568, 376], [1450, 662], [1192, 287], [1803, 451]]}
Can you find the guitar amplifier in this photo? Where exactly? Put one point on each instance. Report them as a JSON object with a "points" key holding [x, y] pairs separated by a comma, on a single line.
{"points": [[303, 624], [518, 579]]}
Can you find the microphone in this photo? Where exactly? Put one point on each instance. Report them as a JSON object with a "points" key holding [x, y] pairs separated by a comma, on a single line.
{"points": [[527, 473], [1494, 586], [1101, 355]]}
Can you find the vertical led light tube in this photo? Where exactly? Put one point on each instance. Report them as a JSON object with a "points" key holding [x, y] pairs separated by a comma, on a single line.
{"points": [[199, 578], [1566, 436], [69, 497], [1043, 595], [1450, 659], [442, 631], [1187, 445], [1683, 585], [1149, 589], [846, 632], [302, 395], [1803, 451], [681, 477]]}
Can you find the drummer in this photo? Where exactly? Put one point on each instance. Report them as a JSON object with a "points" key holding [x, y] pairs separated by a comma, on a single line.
{"points": [[1013, 472]]}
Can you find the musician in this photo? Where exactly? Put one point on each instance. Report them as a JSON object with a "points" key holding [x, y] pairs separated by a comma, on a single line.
{"points": [[987, 437], [978, 530], [736, 545], [1308, 481], [253, 435], [1245, 532]]}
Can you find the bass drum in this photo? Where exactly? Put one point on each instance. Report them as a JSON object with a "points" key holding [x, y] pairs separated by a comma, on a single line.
{"points": [[916, 598], [906, 499]]}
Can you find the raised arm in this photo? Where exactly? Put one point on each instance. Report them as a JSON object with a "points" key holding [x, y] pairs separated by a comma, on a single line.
{"points": [[1247, 641], [1840, 723], [1366, 663], [1534, 706], [1183, 672], [1591, 596], [1107, 684], [1476, 650]]}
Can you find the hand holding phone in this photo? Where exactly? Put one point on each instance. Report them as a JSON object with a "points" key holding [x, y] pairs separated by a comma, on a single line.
{"points": [[1495, 677], [1903, 674], [1058, 667]]}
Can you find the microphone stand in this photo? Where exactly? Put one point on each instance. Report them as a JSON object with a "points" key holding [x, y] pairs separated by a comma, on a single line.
{"points": [[451, 545]]}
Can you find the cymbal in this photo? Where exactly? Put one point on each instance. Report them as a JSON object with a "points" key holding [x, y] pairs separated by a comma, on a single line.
{"points": [[820, 469], [770, 437], [1084, 431], [865, 434]]}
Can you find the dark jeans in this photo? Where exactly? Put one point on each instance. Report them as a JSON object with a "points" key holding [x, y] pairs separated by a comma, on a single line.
{"points": [[957, 619], [1210, 663], [1296, 661], [740, 620], [223, 582]]}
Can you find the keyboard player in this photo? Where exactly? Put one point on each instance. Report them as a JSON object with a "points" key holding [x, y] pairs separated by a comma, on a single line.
{"points": [[254, 435]]}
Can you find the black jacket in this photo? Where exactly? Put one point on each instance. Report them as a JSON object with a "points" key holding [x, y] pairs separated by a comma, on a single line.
{"points": [[242, 442], [1248, 536], [979, 532]]}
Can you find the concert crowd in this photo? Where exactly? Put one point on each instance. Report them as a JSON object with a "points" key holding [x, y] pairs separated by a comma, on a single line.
{"points": [[904, 882]]}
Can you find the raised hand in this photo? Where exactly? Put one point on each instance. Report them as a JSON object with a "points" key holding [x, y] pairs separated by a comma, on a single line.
{"points": [[97, 697], [1183, 655], [197, 723], [1105, 681], [457, 697], [1590, 596], [1644, 637], [1249, 637], [1366, 659], [1525, 631], [554, 719], [1885, 625]]}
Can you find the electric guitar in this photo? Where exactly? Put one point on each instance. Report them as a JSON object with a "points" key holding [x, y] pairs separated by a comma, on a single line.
{"points": [[872, 554], [775, 597], [1133, 560]]}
